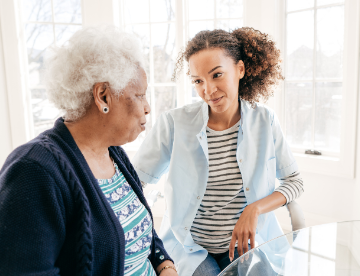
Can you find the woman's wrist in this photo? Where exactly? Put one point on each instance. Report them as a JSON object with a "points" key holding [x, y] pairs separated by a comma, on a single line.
{"points": [[164, 266], [171, 267], [255, 208]]}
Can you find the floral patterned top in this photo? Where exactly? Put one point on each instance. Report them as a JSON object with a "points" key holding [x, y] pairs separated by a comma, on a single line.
{"points": [[135, 220]]}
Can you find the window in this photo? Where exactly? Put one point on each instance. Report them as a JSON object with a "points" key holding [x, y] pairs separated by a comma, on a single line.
{"points": [[314, 62], [154, 25], [163, 26], [46, 23], [318, 92]]}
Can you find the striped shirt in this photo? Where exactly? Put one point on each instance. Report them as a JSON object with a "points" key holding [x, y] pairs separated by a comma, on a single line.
{"points": [[224, 198], [135, 220]]}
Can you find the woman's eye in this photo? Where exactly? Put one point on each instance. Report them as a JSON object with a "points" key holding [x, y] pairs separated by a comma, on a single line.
{"points": [[196, 81], [217, 75], [141, 96]]}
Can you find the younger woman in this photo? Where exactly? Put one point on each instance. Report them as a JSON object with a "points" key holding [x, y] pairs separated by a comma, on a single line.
{"points": [[222, 154]]}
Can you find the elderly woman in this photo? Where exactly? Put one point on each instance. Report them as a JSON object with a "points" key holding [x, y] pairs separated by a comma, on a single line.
{"points": [[70, 201]]}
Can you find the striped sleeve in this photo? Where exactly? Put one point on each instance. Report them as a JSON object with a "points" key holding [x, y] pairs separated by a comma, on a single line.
{"points": [[291, 186]]}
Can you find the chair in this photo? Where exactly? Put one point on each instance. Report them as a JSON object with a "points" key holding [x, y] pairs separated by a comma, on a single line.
{"points": [[296, 216]]}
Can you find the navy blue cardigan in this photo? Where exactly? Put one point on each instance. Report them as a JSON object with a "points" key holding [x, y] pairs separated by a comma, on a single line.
{"points": [[54, 218]]}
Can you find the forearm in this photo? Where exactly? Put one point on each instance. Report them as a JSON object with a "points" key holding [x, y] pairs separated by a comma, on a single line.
{"points": [[268, 204]]}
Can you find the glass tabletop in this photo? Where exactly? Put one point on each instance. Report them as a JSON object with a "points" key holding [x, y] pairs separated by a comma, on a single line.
{"points": [[330, 249]]}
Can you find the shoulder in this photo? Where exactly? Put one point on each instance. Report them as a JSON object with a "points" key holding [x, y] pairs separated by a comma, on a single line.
{"points": [[258, 112], [31, 169], [33, 151], [189, 117], [186, 111]]}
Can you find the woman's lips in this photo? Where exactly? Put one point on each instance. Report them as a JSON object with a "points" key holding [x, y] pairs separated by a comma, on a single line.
{"points": [[143, 126], [215, 101]]}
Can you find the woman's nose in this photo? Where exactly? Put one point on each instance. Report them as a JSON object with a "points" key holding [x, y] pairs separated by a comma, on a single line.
{"points": [[209, 88], [147, 108]]}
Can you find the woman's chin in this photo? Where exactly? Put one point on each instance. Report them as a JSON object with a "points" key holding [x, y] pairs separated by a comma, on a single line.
{"points": [[134, 135], [219, 108]]}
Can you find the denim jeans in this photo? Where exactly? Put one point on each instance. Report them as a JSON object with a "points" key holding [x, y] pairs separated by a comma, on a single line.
{"points": [[215, 263]]}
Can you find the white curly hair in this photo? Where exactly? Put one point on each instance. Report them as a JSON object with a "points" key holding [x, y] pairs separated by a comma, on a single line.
{"points": [[92, 55]]}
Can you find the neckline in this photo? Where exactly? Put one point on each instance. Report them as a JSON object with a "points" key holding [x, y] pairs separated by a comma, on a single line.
{"points": [[225, 130], [113, 178]]}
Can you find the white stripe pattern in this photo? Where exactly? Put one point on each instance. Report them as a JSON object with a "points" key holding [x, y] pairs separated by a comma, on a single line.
{"points": [[224, 198], [291, 186]]}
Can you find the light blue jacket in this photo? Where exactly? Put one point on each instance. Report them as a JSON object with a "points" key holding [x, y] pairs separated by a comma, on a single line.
{"points": [[177, 144]]}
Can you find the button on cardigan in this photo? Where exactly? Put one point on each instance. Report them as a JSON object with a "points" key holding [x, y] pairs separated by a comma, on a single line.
{"points": [[54, 218]]}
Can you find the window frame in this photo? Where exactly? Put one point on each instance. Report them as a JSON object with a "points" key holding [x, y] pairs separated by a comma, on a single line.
{"points": [[53, 24], [183, 83], [342, 165]]}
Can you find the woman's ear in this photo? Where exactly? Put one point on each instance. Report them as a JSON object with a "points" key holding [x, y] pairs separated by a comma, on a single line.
{"points": [[241, 67], [102, 96]]}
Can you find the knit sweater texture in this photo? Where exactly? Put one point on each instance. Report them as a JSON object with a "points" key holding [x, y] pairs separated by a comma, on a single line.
{"points": [[54, 218]]}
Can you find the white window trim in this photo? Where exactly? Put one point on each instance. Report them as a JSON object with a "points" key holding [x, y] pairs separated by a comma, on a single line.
{"points": [[15, 70], [344, 164]]}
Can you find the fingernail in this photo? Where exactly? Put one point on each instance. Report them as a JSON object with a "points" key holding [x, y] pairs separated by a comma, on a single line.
{"points": [[231, 260]]}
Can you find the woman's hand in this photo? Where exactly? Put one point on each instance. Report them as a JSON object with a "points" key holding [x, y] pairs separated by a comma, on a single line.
{"points": [[244, 230], [245, 227], [168, 271]]}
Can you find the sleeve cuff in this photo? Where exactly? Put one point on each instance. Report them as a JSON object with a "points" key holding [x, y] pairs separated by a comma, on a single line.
{"points": [[293, 167], [146, 177], [160, 257], [288, 199]]}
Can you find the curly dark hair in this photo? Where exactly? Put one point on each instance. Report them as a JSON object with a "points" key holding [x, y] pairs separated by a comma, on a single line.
{"points": [[258, 52]]}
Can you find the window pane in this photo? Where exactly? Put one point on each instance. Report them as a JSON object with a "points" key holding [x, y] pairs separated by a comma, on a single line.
{"points": [[193, 92], [64, 32], [328, 115], [165, 99], [163, 43], [38, 38], [229, 9], [294, 5], [231, 24], [67, 11], [300, 45], [136, 11], [37, 10], [142, 32], [327, 2], [298, 105], [330, 42], [197, 26], [194, 95], [201, 9], [44, 113], [162, 10]]}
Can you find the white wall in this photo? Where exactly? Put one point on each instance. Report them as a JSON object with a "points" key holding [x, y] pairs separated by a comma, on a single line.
{"points": [[5, 131]]}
